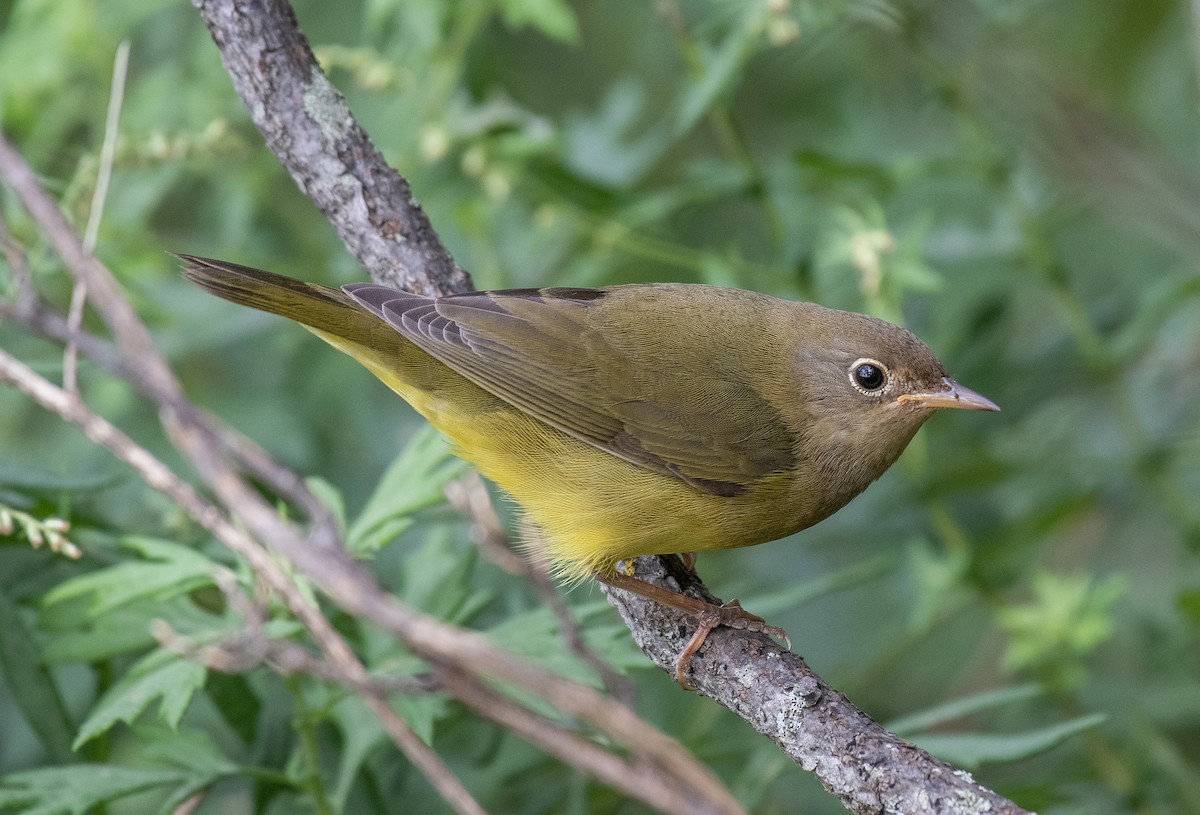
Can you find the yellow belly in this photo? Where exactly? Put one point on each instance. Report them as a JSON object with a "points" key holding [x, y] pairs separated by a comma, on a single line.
{"points": [[590, 507]]}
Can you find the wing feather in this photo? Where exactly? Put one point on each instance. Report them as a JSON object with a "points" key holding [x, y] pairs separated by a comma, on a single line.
{"points": [[554, 354]]}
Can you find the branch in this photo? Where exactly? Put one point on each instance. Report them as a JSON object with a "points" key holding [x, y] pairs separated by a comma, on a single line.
{"points": [[71, 408], [677, 783], [659, 772], [307, 124], [311, 130]]}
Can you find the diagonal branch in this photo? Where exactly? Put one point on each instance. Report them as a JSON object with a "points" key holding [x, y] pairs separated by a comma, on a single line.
{"points": [[70, 407], [291, 102], [679, 784], [321, 144]]}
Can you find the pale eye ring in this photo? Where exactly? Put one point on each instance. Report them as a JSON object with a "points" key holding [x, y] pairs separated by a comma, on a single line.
{"points": [[868, 375]]}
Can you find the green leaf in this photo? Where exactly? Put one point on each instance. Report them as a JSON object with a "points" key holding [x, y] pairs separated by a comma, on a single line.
{"points": [[722, 68], [160, 675], [119, 631], [33, 688], [610, 146], [189, 749], [361, 734], [77, 789], [853, 575], [554, 18], [237, 702], [970, 750], [34, 480], [171, 570], [331, 497], [437, 579], [966, 706], [415, 480], [1069, 617]]}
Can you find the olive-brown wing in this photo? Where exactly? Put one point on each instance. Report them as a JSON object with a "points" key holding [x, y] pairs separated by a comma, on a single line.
{"points": [[548, 353]]}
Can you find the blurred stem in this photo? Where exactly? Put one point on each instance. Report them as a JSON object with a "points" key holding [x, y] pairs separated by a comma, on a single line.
{"points": [[468, 19], [310, 755], [1164, 753], [1195, 6], [1100, 751], [100, 748], [724, 127], [1041, 251], [610, 230], [947, 527]]}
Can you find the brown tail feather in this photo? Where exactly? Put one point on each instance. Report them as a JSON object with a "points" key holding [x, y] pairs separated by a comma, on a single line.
{"points": [[316, 306]]}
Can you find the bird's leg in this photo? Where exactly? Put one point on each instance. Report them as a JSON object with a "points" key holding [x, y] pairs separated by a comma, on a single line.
{"points": [[708, 615], [688, 559]]}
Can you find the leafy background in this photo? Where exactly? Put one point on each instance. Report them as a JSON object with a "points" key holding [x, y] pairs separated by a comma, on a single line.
{"points": [[1015, 180]]}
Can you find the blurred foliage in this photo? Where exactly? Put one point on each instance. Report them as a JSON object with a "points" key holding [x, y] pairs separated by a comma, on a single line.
{"points": [[1016, 180]]}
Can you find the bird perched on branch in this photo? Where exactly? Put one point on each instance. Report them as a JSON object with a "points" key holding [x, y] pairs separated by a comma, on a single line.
{"points": [[640, 419]]}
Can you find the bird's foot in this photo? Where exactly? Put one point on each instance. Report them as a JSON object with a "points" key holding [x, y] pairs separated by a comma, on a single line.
{"points": [[731, 615], [708, 616]]}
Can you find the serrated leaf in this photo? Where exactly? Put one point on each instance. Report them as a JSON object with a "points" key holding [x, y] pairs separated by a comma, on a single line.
{"points": [[118, 632], [191, 750], [969, 750], [415, 480], [167, 570], [77, 789], [32, 686], [194, 753], [535, 635], [437, 579], [161, 675]]}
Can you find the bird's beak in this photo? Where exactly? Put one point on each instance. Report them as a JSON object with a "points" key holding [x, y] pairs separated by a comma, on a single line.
{"points": [[952, 395]]}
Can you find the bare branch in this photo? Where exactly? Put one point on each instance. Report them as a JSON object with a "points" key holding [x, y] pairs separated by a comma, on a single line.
{"points": [[159, 476], [32, 313]]}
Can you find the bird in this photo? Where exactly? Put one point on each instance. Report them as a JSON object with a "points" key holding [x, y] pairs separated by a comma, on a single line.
{"points": [[637, 419]]}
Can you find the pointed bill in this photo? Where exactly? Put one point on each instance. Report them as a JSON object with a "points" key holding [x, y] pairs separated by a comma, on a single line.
{"points": [[952, 395]]}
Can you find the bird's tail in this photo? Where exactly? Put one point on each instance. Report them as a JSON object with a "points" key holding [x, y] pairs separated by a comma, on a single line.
{"points": [[318, 307], [336, 318]]}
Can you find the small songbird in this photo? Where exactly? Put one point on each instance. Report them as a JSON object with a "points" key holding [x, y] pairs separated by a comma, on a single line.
{"points": [[639, 419]]}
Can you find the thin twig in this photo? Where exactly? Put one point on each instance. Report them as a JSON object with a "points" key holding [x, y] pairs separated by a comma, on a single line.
{"points": [[18, 263], [470, 497], [692, 788], [108, 152], [677, 778], [134, 340], [108, 149], [71, 408]]}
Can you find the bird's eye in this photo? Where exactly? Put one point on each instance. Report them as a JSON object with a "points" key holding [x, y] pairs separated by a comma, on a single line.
{"points": [[868, 375]]}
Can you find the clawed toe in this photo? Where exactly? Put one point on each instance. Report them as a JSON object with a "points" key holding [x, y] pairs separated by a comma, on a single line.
{"points": [[730, 615]]}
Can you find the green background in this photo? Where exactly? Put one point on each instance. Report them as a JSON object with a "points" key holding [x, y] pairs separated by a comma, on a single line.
{"points": [[1014, 180]]}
